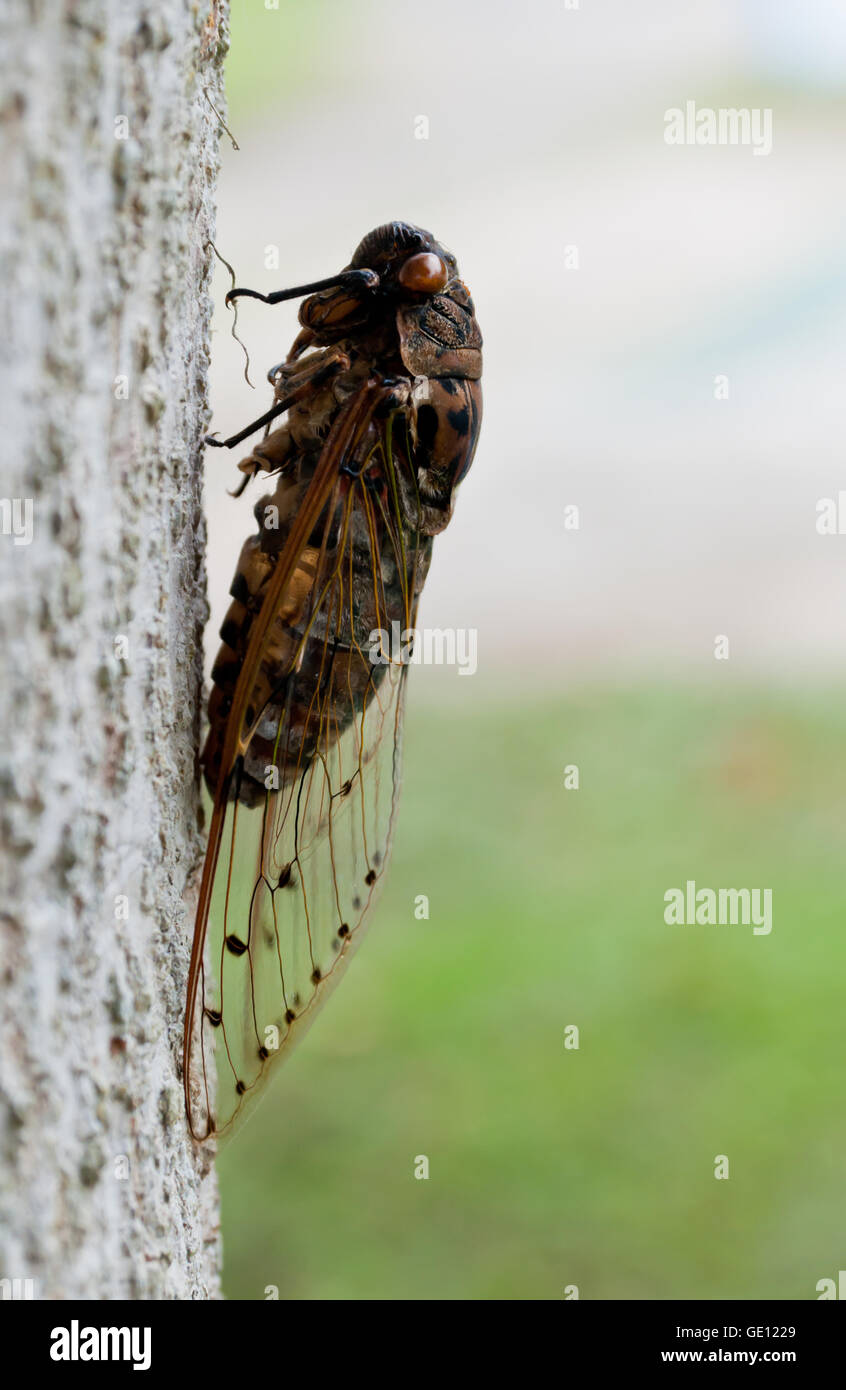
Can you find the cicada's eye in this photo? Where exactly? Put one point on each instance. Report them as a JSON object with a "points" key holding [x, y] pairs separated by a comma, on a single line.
{"points": [[424, 273]]}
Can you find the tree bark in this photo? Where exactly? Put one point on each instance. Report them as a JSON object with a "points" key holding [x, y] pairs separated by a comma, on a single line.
{"points": [[108, 152]]}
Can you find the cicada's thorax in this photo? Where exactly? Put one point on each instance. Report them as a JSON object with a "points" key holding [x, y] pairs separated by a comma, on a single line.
{"points": [[435, 346]]}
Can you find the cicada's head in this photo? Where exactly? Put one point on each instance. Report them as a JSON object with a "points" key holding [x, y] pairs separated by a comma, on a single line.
{"points": [[416, 285], [407, 259]]}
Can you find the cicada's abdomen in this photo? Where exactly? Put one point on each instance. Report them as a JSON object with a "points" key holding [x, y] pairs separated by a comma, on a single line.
{"points": [[300, 657]]}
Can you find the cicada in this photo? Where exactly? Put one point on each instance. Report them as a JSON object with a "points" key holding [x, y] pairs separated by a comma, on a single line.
{"points": [[383, 404]]}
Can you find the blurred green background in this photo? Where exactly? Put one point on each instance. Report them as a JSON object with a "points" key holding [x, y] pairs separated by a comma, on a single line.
{"points": [[594, 1167], [591, 1167]]}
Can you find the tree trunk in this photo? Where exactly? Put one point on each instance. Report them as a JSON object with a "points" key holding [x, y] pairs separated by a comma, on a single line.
{"points": [[108, 148]]}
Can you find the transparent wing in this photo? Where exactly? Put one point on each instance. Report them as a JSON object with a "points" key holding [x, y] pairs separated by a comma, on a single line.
{"points": [[303, 822]]}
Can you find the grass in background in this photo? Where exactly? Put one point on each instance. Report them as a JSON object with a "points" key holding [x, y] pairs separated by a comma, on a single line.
{"points": [[591, 1167]]}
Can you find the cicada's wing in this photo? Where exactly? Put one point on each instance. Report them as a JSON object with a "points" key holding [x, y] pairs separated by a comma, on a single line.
{"points": [[296, 878], [295, 859]]}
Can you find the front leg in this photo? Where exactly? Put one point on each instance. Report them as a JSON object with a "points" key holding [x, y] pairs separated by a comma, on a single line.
{"points": [[291, 384]]}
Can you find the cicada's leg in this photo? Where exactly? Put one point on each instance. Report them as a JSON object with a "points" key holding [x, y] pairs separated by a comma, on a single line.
{"points": [[301, 344], [270, 455], [303, 341], [292, 384]]}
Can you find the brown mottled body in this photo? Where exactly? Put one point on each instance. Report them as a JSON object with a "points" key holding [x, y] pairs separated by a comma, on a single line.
{"points": [[429, 347]]}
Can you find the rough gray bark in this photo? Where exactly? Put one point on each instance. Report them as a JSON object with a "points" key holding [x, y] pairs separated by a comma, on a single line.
{"points": [[108, 157]]}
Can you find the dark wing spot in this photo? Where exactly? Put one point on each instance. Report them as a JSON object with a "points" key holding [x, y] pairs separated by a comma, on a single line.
{"points": [[289, 1015], [460, 420], [236, 945], [240, 1087], [263, 1053], [370, 876], [315, 975], [213, 1017], [343, 930], [427, 425]]}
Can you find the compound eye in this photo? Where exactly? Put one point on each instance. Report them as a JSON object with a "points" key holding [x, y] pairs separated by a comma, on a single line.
{"points": [[425, 274]]}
